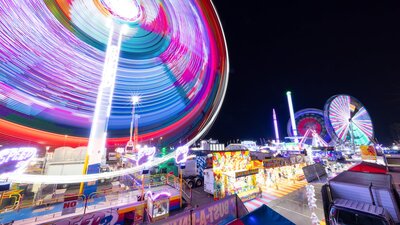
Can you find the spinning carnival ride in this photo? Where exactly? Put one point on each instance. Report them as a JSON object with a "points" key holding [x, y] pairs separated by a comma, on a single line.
{"points": [[172, 53], [347, 120], [307, 120]]}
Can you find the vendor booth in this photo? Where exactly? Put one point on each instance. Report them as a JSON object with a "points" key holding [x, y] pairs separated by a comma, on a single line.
{"points": [[272, 172], [234, 174]]}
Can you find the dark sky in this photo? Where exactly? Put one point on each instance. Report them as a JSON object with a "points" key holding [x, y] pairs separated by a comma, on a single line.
{"points": [[316, 49]]}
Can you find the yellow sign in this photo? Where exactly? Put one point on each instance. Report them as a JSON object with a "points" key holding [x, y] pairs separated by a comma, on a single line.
{"points": [[368, 152]]}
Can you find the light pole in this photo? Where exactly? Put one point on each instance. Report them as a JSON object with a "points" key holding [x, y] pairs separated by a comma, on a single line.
{"points": [[292, 119], [98, 132], [275, 126], [131, 145]]}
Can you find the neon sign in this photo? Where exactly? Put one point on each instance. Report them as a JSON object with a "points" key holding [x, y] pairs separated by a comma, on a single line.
{"points": [[155, 196], [15, 159], [146, 154], [181, 154]]}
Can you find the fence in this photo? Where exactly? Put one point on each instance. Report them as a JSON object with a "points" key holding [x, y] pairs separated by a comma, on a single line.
{"points": [[12, 201]]}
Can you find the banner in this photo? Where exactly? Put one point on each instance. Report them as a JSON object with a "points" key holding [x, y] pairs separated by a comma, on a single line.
{"points": [[181, 219], [96, 218], [220, 212], [277, 162], [246, 173], [132, 214], [69, 206]]}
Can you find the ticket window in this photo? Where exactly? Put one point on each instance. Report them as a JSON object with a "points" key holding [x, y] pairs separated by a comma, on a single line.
{"points": [[158, 209]]}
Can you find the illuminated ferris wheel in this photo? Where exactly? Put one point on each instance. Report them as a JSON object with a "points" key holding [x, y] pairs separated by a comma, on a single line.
{"points": [[309, 119], [347, 120]]}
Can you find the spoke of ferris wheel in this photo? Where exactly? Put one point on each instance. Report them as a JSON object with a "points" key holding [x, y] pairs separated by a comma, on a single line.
{"points": [[342, 131], [364, 130]]}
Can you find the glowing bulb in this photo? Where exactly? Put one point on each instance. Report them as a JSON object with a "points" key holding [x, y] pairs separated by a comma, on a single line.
{"points": [[135, 99], [125, 29], [127, 10]]}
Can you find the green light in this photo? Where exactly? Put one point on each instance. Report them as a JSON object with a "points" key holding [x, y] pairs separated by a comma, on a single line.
{"points": [[288, 93]]}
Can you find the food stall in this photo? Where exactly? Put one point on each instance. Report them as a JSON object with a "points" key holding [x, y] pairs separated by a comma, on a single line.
{"points": [[233, 174], [243, 183]]}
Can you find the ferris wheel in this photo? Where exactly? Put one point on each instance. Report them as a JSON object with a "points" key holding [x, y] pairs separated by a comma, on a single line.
{"points": [[310, 119], [347, 120]]}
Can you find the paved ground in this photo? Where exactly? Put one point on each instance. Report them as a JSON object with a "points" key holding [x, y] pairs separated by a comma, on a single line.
{"points": [[290, 201], [273, 193], [294, 206]]}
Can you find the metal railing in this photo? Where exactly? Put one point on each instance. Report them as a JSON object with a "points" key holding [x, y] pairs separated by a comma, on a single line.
{"points": [[85, 203], [187, 192]]}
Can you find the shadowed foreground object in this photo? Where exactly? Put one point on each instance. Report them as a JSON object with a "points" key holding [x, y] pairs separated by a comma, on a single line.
{"points": [[262, 215]]}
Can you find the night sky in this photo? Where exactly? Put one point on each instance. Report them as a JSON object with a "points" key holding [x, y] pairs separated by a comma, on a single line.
{"points": [[314, 49]]}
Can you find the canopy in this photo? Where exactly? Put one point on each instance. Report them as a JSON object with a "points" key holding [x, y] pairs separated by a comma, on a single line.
{"points": [[367, 167], [263, 215]]}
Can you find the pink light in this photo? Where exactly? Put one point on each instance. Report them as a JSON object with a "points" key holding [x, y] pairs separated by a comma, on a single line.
{"points": [[275, 125], [156, 196]]}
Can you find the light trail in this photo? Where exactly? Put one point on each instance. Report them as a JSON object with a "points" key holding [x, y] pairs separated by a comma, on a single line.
{"points": [[69, 179]]}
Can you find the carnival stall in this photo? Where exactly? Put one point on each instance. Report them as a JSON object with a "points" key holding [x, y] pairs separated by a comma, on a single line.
{"points": [[234, 174]]}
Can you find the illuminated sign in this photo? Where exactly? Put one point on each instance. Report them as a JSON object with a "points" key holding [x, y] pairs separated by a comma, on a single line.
{"points": [[15, 159], [246, 173], [155, 196], [145, 155], [181, 154]]}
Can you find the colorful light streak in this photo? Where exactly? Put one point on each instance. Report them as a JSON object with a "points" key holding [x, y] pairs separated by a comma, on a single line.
{"points": [[174, 54], [98, 131], [70, 179], [127, 10]]}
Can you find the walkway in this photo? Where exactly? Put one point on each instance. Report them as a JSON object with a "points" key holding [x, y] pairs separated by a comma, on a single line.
{"points": [[270, 194]]}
